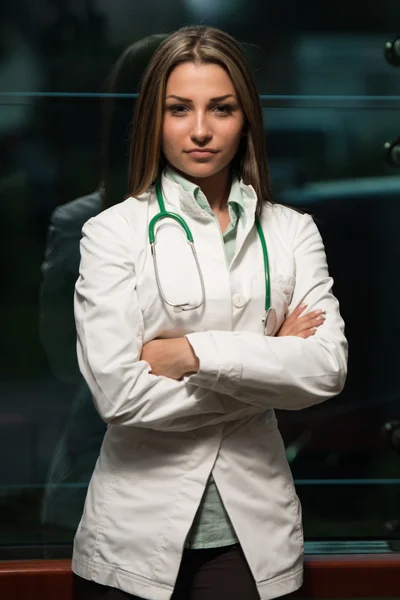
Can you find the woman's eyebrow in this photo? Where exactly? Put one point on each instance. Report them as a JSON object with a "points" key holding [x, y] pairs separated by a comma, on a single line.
{"points": [[218, 99]]}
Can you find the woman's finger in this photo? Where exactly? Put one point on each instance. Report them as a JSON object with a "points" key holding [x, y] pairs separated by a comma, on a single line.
{"points": [[307, 333], [298, 327], [296, 315], [307, 322], [297, 312], [313, 325], [311, 315], [296, 324]]}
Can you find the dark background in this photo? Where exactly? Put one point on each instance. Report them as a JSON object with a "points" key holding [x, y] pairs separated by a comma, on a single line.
{"points": [[331, 101]]}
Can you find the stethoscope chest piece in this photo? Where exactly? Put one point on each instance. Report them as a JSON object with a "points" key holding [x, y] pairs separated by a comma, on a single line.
{"points": [[269, 321]]}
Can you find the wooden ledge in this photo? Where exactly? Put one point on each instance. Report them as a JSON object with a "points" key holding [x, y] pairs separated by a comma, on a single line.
{"points": [[341, 576]]}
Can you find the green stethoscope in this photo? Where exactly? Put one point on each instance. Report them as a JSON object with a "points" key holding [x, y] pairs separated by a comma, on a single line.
{"points": [[269, 319]]}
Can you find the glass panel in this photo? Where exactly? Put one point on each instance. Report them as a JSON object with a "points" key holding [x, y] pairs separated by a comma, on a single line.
{"points": [[331, 101], [342, 455], [295, 47]]}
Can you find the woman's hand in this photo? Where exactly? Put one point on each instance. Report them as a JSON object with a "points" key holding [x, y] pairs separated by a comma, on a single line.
{"points": [[304, 326], [171, 358]]}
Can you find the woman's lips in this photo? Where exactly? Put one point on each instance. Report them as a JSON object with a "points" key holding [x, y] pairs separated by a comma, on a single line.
{"points": [[202, 154]]}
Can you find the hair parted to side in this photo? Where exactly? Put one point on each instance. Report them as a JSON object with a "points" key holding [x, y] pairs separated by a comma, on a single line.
{"points": [[198, 44]]}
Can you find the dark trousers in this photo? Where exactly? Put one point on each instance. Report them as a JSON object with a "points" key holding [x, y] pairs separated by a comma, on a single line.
{"points": [[213, 574]]}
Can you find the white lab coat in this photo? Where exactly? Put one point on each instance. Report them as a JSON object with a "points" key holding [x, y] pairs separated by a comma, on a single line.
{"points": [[165, 437]]}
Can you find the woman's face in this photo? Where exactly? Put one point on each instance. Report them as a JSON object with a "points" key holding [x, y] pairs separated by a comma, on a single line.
{"points": [[203, 120]]}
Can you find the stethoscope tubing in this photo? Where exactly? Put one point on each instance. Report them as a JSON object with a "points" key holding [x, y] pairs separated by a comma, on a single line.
{"points": [[164, 214]]}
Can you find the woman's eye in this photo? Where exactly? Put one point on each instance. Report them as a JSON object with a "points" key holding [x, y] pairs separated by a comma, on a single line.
{"points": [[177, 109], [223, 109]]}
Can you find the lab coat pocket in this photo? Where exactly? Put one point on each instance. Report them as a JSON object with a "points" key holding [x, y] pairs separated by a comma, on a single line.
{"points": [[282, 287]]}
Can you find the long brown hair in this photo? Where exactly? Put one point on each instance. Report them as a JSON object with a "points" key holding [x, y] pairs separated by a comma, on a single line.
{"points": [[198, 44]]}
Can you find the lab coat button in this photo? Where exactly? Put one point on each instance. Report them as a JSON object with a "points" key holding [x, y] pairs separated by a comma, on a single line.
{"points": [[239, 300]]}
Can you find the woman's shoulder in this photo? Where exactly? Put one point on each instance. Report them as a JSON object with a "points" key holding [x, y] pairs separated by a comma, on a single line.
{"points": [[129, 211], [290, 225], [282, 215]]}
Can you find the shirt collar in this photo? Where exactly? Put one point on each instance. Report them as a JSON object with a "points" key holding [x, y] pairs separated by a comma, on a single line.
{"points": [[242, 198]]}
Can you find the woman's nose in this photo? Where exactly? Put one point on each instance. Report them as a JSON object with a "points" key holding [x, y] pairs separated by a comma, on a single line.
{"points": [[201, 131]]}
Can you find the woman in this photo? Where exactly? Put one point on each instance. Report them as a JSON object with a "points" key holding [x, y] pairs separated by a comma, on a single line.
{"points": [[192, 496]]}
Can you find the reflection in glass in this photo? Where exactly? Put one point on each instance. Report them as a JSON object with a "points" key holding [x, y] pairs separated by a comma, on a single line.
{"points": [[78, 447]]}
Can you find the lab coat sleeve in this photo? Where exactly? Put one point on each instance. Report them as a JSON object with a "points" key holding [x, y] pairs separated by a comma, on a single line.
{"points": [[281, 372], [109, 342]]}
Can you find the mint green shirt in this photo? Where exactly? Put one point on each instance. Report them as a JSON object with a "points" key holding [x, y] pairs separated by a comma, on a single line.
{"points": [[212, 527]]}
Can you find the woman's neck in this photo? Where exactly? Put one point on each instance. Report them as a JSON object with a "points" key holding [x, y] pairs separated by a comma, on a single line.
{"points": [[215, 188]]}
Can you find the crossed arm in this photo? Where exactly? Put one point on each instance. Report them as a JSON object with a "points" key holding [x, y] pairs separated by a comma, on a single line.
{"points": [[175, 358], [166, 384]]}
